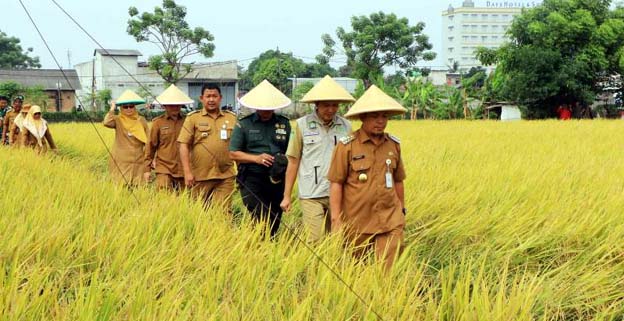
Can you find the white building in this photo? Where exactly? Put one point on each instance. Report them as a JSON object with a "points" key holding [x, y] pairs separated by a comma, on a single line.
{"points": [[466, 28], [119, 70]]}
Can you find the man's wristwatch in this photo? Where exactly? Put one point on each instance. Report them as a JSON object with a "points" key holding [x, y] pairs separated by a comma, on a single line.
{"points": [[404, 211]]}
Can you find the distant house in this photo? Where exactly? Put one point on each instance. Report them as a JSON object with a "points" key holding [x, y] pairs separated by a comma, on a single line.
{"points": [[61, 94], [118, 70]]}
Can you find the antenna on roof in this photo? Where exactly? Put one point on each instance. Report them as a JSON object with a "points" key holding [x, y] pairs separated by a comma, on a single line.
{"points": [[69, 65]]}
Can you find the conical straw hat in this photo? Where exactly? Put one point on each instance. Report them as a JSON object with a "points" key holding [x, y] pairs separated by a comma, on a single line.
{"points": [[129, 97], [327, 90], [173, 96], [265, 97], [375, 100]]}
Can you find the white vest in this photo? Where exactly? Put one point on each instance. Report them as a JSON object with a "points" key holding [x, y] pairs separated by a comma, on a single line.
{"points": [[318, 145]]}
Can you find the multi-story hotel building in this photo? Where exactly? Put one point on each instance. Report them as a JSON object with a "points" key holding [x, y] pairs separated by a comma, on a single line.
{"points": [[468, 27]]}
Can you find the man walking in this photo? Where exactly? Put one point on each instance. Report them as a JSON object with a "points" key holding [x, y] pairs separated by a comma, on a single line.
{"points": [[258, 145], [309, 154], [366, 174], [163, 150], [204, 139]]}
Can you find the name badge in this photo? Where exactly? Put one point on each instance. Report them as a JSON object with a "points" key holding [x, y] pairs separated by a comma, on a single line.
{"points": [[389, 182], [224, 135]]}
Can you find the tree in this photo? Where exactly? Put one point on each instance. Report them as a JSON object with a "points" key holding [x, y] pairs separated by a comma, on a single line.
{"points": [[559, 52], [12, 55], [378, 41], [167, 29], [278, 66], [276, 71], [301, 90]]}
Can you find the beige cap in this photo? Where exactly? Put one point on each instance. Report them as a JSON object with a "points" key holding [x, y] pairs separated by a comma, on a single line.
{"points": [[129, 97], [265, 97], [327, 90], [375, 100], [173, 96]]}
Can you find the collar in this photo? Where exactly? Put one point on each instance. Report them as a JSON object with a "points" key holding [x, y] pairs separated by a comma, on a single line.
{"points": [[180, 117], [331, 124], [204, 112], [363, 137], [256, 119]]}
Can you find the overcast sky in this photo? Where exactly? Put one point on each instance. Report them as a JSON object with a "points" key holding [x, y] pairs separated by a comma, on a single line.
{"points": [[242, 29]]}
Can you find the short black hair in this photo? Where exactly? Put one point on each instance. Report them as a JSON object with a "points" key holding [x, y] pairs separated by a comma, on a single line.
{"points": [[2, 97], [210, 87]]}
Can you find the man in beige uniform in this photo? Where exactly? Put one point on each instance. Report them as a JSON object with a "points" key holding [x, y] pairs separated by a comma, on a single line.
{"points": [[163, 145], [10, 132], [309, 154], [204, 141], [366, 175]]}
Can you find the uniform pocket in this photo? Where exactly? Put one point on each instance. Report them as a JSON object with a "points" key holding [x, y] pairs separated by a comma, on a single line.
{"points": [[307, 140]]}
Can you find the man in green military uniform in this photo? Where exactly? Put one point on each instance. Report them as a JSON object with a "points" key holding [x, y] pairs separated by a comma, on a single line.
{"points": [[4, 108], [258, 144]]}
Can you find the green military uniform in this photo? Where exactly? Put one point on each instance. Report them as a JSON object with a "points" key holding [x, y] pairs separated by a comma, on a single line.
{"points": [[253, 136]]}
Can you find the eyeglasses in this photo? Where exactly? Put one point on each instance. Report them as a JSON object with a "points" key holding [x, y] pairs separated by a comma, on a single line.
{"points": [[127, 107]]}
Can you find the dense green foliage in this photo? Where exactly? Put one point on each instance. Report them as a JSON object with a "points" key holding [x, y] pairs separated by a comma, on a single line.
{"points": [[13, 56]]}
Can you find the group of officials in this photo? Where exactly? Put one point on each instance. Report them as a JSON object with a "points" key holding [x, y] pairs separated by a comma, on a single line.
{"points": [[349, 182], [23, 126]]}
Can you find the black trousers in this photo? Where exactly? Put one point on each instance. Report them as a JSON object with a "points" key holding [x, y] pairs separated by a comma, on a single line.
{"points": [[262, 199]]}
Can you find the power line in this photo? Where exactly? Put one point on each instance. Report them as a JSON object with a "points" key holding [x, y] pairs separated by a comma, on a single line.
{"points": [[290, 228]]}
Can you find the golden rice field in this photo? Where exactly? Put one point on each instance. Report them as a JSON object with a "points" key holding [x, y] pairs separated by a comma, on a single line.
{"points": [[507, 221]]}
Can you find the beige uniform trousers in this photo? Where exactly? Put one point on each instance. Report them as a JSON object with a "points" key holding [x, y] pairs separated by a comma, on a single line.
{"points": [[387, 245], [215, 190], [316, 218]]}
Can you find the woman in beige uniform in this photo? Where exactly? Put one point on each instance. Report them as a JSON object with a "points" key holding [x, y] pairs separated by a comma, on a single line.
{"points": [[127, 155], [34, 132]]}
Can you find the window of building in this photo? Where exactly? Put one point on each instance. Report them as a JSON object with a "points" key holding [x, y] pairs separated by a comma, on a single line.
{"points": [[120, 85], [484, 38], [465, 38], [450, 49], [495, 17], [484, 16], [451, 38]]}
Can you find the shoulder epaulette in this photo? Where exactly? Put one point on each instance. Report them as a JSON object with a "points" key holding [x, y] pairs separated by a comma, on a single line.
{"points": [[158, 117], [230, 112], [246, 116], [282, 116], [347, 139], [394, 138], [193, 112]]}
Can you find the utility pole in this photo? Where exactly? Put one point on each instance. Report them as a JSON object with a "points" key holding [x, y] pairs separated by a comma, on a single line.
{"points": [[93, 106]]}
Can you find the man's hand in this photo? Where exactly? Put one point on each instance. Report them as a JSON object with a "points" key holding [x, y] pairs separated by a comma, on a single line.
{"points": [[265, 160], [113, 106], [189, 180], [285, 204]]}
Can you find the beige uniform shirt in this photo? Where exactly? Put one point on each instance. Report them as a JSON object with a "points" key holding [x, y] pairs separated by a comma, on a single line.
{"points": [[9, 124], [128, 155], [164, 147], [208, 138], [369, 206], [27, 139]]}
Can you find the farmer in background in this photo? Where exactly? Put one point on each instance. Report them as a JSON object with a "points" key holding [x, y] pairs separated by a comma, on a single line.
{"points": [[564, 112], [162, 151], [9, 133], [35, 133], [204, 139], [309, 154], [258, 145], [366, 174], [126, 164]]}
